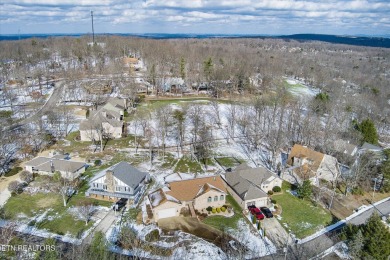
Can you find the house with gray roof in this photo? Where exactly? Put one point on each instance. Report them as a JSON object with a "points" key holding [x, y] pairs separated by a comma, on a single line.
{"points": [[118, 181], [249, 186], [106, 121], [58, 163], [345, 147]]}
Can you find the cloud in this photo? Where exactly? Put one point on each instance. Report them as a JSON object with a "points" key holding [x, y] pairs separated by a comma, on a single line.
{"points": [[204, 16]]}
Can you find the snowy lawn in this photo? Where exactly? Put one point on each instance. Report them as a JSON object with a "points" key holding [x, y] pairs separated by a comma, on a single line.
{"points": [[221, 222], [299, 216], [46, 211]]}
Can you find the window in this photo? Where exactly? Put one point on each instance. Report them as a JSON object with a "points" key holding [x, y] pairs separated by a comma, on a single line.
{"points": [[221, 197], [104, 187], [209, 199], [118, 188], [216, 198]]}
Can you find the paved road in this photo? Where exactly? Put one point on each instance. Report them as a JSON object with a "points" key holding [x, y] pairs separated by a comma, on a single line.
{"points": [[323, 242], [48, 106], [381, 209]]}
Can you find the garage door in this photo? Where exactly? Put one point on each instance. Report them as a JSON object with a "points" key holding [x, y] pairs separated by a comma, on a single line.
{"points": [[166, 213]]}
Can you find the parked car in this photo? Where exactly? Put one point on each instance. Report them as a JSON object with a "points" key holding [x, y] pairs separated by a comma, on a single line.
{"points": [[251, 207], [267, 212], [120, 204], [256, 212]]}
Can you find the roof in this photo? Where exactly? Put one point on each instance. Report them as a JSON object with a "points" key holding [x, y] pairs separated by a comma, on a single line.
{"points": [[159, 197], [128, 60], [36, 161], [187, 190], [112, 108], [98, 118], [371, 147], [246, 181], [343, 146], [125, 173], [117, 103], [44, 164], [300, 151]]}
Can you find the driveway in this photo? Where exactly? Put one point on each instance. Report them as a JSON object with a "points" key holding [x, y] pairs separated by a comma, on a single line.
{"points": [[4, 192], [275, 232], [104, 225]]}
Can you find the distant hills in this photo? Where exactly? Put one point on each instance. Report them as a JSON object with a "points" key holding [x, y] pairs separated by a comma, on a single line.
{"points": [[368, 41]]}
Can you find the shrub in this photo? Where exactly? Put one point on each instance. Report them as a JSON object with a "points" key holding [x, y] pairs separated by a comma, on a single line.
{"points": [[276, 189], [218, 210], [214, 210], [270, 192], [276, 206], [223, 209], [13, 186], [153, 236], [273, 201], [209, 209], [13, 171], [357, 191], [98, 162], [254, 220], [26, 176]]}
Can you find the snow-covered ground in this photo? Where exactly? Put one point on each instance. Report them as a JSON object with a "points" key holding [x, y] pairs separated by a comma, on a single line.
{"points": [[299, 88]]}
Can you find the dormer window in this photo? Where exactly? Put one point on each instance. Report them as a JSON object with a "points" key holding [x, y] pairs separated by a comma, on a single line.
{"points": [[209, 199]]}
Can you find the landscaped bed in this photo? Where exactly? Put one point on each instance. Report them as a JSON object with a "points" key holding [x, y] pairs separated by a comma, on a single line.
{"points": [[222, 222], [299, 216]]}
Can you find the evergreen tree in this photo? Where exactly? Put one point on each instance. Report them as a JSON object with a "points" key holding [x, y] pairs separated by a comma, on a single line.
{"points": [[356, 245], [98, 248], [377, 238], [182, 68], [208, 68], [304, 190], [368, 131]]}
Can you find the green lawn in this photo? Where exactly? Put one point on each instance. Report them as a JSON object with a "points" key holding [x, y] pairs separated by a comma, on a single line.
{"points": [[169, 161], [30, 205], [24, 206], [63, 224], [185, 164], [221, 222], [301, 216], [227, 162]]}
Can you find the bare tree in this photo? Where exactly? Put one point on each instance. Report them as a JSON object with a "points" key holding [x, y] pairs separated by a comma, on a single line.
{"points": [[85, 210]]}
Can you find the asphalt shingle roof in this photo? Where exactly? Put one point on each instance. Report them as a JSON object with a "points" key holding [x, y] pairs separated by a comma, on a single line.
{"points": [[127, 174]]}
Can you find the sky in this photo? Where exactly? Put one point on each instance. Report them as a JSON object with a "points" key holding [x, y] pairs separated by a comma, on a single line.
{"points": [[266, 17]]}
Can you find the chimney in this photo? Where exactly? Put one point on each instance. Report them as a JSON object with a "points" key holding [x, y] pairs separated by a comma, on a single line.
{"points": [[110, 180]]}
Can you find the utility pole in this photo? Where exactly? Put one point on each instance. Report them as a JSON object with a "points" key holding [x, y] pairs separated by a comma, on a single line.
{"points": [[373, 193], [93, 31]]}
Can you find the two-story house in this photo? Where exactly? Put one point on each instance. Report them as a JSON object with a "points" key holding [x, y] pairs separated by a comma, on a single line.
{"points": [[105, 121], [249, 186], [118, 181], [307, 163]]}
